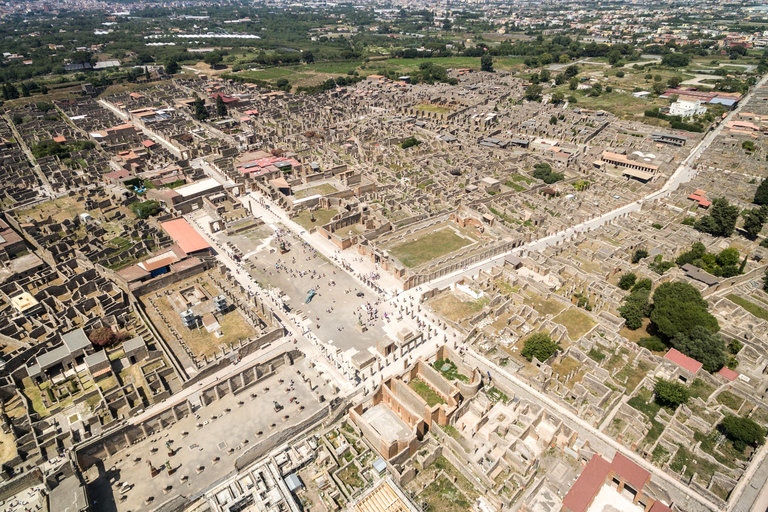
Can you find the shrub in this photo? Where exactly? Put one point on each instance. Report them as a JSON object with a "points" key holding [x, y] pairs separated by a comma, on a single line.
{"points": [[742, 431], [540, 346], [652, 343], [639, 255], [670, 394], [410, 142], [627, 281]]}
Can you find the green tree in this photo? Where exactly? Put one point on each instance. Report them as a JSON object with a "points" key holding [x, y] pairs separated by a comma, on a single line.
{"points": [[410, 142], [670, 394], [627, 281], [553, 120], [639, 255], [571, 71], [540, 346], [145, 209], [201, 112], [748, 145], [678, 308], [721, 220], [635, 308], [557, 96], [213, 59], [533, 92], [729, 256], [172, 67], [703, 346], [221, 107], [742, 431], [486, 63], [761, 194], [573, 83], [765, 281], [308, 57]]}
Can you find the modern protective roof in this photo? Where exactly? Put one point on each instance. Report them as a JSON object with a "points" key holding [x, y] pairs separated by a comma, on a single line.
{"points": [[75, 340], [683, 361], [198, 187], [184, 235]]}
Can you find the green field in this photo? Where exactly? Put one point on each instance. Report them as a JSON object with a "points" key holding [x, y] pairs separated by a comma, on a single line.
{"points": [[751, 307], [426, 107], [428, 247]]}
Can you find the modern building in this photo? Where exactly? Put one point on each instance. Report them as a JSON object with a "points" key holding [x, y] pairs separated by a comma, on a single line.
{"points": [[687, 108]]}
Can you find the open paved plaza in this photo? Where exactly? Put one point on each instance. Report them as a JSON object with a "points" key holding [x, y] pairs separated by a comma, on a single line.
{"points": [[216, 435]]}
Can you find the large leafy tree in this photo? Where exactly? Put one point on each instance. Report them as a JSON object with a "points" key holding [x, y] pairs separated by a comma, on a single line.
{"points": [[678, 307], [201, 113], [636, 306], [721, 220], [670, 394], [754, 220], [761, 194], [540, 346], [703, 346], [221, 107], [486, 63], [742, 431]]}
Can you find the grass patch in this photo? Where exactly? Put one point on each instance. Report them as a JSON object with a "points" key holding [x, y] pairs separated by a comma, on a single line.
{"points": [[350, 476], [544, 307], [730, 400], [323, 190], [448, 370], [575, 322], [442, 496], [428, 107], [660, 455], [428, 247], [322, 217], [496, 395], [650, 409], [692, 464], [453, 308], [596, 354], [700, 389], [200, 341], [451, 431], [427, 393], [750, 307]]}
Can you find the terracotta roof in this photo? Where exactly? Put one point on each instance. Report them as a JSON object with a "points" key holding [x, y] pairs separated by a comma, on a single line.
{"points": [[60, 138], [630, 472], [133, 273], [154, 265], [728, 373], [659, 507], [682, 360], [147, 143], [188, 239], [588, 484]]}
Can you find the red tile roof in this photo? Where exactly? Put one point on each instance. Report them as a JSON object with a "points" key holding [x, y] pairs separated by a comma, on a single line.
{"points": [[659, 507], [188, 239], [147, 143], [682, 360], [728, 373], [593, 477], [588, 485], [630, 472]]}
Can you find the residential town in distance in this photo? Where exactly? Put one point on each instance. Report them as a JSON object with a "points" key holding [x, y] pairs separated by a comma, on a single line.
{"points": [[383, 257]]}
